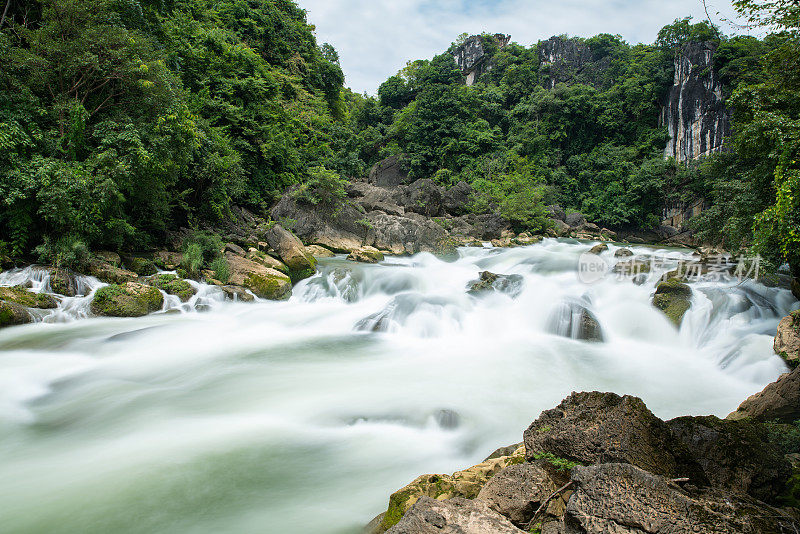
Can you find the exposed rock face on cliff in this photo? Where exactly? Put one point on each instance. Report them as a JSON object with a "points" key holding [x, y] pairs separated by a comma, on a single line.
{"points": [[694, 111], [472, 59], [562, 59]]}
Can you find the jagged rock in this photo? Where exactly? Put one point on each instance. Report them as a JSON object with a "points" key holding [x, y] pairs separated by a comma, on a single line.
{"points": [[253, 254], [463, 516], [592, 228], [424, 197], [337, 228], [106, 272], [264, 282], [390, 172], [466, 483], [787, 340], [575, 220], [734, 455], [563, 59], [510, 284], [623, 499], [292, 252], [779, 401], [371, 197], [471, 57], [695, 114], [673, 298], [408, 235], [556, 212], [591, 427], [22, 297], [127, 300], [366, 255], [237, 293], [489, 226], [559, 228], [598, 249], [456, 199], [319, 251], [173, 285], [517, 491], [622, 253], [12, 314]]}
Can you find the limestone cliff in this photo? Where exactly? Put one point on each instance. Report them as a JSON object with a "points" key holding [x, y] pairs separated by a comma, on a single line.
{"points": [[472, 56], [694, 111]]}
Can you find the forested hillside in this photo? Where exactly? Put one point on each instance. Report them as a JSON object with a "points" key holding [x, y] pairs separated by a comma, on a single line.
{"points": [[123, 119]]}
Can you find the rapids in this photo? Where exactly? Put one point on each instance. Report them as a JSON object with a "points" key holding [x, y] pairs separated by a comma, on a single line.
{"points": [[304, 415]]}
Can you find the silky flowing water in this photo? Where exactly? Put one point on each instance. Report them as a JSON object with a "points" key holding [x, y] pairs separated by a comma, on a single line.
{"points": [[304, 415]]}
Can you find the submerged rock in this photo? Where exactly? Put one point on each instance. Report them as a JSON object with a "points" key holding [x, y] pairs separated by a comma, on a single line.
{"points": [[237, 293], [128, 300], [673, 298], [787, 340], [573, 320], [510, 284]]}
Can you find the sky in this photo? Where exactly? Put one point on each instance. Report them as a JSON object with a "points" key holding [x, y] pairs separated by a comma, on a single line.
{"points": [[376, 38]]}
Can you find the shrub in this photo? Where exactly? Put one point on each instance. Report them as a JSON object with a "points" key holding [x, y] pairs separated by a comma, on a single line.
{"points": [[66, 252], [222, 270]]}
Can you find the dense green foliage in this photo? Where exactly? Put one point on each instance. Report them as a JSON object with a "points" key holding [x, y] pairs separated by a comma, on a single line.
{"points": [[121, 119]]}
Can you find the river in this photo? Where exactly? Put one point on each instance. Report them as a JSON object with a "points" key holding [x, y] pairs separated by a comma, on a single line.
{"points": [[304, 415]]}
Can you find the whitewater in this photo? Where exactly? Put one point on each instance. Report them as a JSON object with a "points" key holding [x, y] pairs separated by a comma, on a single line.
{"points": [[305, 415]]}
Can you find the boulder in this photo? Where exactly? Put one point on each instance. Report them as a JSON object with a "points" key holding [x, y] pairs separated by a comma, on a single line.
{"points": [[488, 226], [139, 265], [264, 282], [20, 296], [292, 252], [410, 234], [108, 273], [424, 197], [559, 228], [608, 235], [592, 427], [109, 257], [462, 516], [341, 228], [390, 172], [736, 456], [591, 228], [575, 220], [623, 253], [456, 199], [631, 267], [510, 284], [371, 197], [267, 261], [171, 284], [556, 212], [779, 401], [573, 320], [466, 483], [517, 491], [64, 282], [12, 314], [237, 293], [787, 340], [673, 297], [796, 287], [624, 499], [167, 260], [366, 255], [665, 231], [318, 251], [598, 249], [127, 300]]}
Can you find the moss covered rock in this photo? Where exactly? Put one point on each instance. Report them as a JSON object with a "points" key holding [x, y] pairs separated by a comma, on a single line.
{"points": [[366, 255], [128, 300], [266, 260], [13, 314], [106, 272], [170, 283], [264, 282], [467, 484], [318, 251], [673, 297], [631, 267], [141, 266], [599, 248], [22, 297], [291, 250], [63, 282], [623, 253]]}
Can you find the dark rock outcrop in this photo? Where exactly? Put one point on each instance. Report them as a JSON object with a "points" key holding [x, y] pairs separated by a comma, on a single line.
{"points": [[625, 499], [510, 284], [575, 220], [471, 56], [457, 515], [573, 320], [517, 491], [390, 172], [456, 199], [423, 197], [694, 111]]}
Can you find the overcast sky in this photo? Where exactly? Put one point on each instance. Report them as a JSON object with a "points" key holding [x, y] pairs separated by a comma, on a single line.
{"points": [[375, 38]]}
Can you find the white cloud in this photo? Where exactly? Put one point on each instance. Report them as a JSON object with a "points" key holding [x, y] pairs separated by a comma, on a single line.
{"points": [[375, 38]]}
